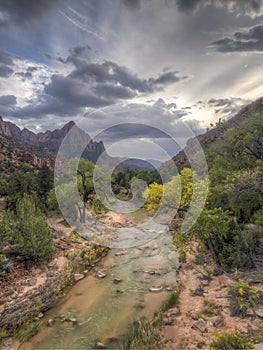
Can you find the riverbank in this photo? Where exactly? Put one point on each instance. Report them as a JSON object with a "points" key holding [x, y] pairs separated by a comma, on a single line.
{"points": [[204, 306], [27, 294]]}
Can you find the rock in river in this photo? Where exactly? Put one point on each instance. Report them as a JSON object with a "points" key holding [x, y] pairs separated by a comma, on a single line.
{"points": [[100, 274], [156, 289], [78, 276]]}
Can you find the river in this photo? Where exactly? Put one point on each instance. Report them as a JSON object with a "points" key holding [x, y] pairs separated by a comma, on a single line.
{"points": [[105, 307]]}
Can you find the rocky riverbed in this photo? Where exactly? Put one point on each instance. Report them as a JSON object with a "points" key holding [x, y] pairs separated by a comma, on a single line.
{"points": [[134, 279]]}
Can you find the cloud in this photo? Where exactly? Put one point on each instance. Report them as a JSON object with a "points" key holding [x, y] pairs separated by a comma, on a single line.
{"points": [[5, 71], [114, 91], [168, 78], [8, 100], [7, 104], [5, 58], [252, 8], [132, 4], [91, 85], [246, 41], [227, 107], [22, 12]]}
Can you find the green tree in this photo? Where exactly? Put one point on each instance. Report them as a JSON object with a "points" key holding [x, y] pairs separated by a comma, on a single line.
{"points": [[44, 183]]}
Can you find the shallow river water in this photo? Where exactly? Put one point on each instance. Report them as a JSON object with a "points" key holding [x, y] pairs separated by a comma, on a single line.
{"points": [[104, 308]]}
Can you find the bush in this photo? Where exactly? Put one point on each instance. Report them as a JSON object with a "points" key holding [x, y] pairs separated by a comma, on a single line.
{"points": [[231, 245], [244, 297], [258, 217], [230, 341], [26, 232]]}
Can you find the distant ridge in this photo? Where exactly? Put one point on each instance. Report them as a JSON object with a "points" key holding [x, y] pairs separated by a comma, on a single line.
{"points": [[218, 132], [51, 140]]}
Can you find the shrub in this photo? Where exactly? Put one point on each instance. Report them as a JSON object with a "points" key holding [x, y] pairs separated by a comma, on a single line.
{"points": [[230, 341], [26, 231], [243, 298]]}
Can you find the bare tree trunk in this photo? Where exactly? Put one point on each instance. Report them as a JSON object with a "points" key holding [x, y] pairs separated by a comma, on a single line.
{"points": [[211, 247]]}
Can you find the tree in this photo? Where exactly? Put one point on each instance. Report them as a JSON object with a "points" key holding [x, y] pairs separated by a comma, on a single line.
{"points": [[27, 232], [85, 184], [153, 197], [246, 195], [44, 183], [230, 244]]}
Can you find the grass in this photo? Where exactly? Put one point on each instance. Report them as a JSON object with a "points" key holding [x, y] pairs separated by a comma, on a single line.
{"points": [[143, 336], [211, 308], [27, 331], [172, 301]]}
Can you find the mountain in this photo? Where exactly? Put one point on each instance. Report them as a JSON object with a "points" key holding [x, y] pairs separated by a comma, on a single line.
{"points": [[14, 154], [139, 164], [217, 133], [51, 140]]}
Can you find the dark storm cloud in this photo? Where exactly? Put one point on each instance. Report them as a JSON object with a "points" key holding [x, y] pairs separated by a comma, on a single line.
{"points": [[5, 62], [132, 4], [22, 12], [168, 78], [7, 104], [227, 106], [131, 131], [5, 58], [115, 92], [8, 100], [5, 71], [251, 8], [246, 41], [74, 91], [110, 72]]}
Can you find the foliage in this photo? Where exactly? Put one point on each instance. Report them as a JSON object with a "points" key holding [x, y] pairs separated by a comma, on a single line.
{"points": [[244, 297], [231, 245], [35, 181], [258, 217], [246, 195], [230, 341], [27, 231], [153, 196]]}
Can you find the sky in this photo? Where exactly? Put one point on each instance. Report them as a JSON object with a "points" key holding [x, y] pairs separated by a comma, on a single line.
{"points": [[169, 67]]}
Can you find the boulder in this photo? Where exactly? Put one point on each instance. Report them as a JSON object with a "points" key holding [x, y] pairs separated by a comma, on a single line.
{"points": [[217, 321], [168, 321], [175, 311], [259, 312], [200, 325], [100, 345]]}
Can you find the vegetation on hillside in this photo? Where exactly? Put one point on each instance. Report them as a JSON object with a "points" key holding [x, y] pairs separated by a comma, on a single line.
{"points": [[235, 196]]}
